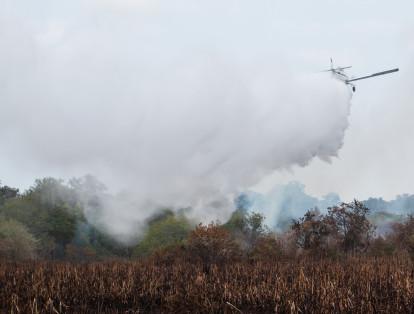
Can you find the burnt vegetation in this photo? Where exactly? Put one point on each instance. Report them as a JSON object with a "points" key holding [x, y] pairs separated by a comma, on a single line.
{"points": [[53, 260]]}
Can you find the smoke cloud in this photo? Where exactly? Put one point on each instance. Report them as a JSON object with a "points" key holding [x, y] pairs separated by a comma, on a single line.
{"points": [[155, 114]]}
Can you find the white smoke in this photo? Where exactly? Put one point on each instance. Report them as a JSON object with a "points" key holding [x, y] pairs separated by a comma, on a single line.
{"points": [[167, 122]]}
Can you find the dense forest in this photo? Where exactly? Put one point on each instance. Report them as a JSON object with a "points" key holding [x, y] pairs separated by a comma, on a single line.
{"points": [[48, 222]]}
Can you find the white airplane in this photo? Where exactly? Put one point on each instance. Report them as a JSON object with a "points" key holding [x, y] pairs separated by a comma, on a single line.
{"points": [[339, 73]]}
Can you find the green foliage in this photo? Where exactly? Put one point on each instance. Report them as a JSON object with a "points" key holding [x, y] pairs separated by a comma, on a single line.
{"points": [[16, 242], [49, 219], [237, 222], [49, 211], [6, 193], [90, 238], [50, 192], [246, 228], [61, 224], [57, 222], [23, 210], [53, 213], [164, 231], [255, 225]]}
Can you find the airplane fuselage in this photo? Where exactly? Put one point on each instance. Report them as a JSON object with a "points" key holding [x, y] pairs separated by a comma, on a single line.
{"points": [[339, 73]]}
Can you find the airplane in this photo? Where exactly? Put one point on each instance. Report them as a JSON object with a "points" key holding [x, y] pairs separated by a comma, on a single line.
{"points": [[339, 73]]}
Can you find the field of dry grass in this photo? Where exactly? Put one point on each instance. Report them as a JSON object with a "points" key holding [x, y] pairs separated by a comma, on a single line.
{"points": [[354, 285]]}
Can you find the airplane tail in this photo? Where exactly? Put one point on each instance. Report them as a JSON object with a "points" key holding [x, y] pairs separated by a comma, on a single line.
{"points": [[333, 69]]}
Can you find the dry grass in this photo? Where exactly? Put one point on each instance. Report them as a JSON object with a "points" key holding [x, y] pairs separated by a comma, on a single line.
{"points": [[360, 285]]}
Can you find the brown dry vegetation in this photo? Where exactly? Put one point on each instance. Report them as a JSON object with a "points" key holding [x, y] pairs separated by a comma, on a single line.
{"points": [[326, 263], [352, 285]]}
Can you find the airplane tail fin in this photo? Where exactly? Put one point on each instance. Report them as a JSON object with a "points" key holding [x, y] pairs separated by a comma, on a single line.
{"points": [[333, 69]]}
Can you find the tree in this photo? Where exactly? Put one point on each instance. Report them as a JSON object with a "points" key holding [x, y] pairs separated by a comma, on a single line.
{"points": [[61, 224], [16, 242], [246, 228], [311, 232], [403, 235], [51, 192], [255, 227], [6, 193], [49, 211], [89, 191], [89, 238], [237, 222], [351, 226], [164, 231]]}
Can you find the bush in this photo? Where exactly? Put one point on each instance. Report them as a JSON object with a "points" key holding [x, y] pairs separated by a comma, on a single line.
{"points": [[403, 236], [212, 244], [382, 247], [267, 248]]}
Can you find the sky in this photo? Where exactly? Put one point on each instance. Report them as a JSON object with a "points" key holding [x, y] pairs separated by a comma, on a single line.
{"points": [[376, 158], [66, 67]]}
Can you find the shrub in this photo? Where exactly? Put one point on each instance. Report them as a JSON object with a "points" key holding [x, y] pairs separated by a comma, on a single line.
{"points": [[212, 244], [267, 248]]}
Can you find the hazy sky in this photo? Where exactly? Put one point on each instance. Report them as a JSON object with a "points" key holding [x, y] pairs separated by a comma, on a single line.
{"points": [[83, 50], [378, 152]]}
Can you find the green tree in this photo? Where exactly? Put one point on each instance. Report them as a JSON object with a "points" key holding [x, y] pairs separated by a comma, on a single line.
{"points": [[61, 224], [246, 228], [256, 227], [51, 192], [165, 230], [237, 222], [50, 213], [6, 193], [16, 242]]}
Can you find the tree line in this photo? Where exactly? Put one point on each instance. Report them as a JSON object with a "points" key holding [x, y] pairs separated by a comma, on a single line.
{"points": [[48, 222]]}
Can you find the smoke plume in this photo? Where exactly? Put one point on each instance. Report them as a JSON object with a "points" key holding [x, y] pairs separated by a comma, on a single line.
{"points": [[156, 115]]}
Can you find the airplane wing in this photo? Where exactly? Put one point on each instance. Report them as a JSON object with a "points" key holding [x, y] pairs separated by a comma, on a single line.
{"points": [[372, 75], [337, 69]]}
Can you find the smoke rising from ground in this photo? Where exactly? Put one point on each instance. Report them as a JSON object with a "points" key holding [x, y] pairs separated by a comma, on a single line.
{"points": [[152, 112], [285, 202]]}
